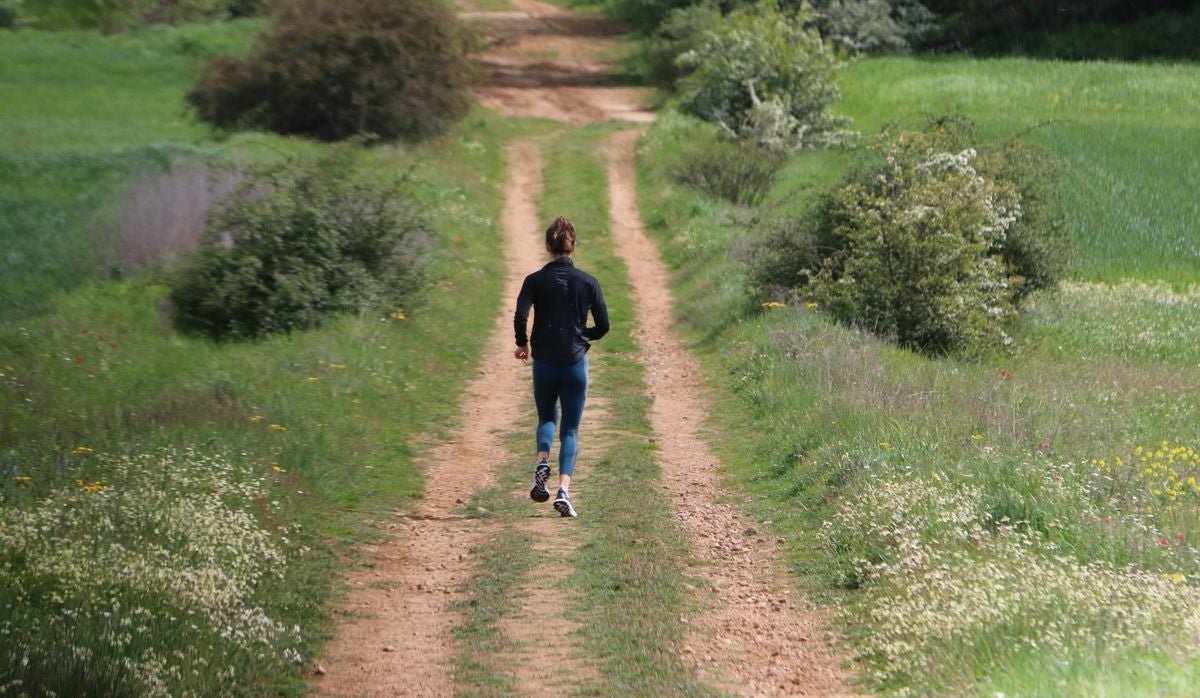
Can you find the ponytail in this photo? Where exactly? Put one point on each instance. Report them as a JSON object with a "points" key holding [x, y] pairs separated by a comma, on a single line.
{"points": [[560, 236]]}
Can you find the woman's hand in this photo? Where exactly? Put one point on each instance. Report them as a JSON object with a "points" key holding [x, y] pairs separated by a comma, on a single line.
{"points": [[522, 353]]}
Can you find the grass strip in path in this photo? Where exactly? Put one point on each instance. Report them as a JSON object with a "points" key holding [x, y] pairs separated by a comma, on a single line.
{"points": [[629, 565]]}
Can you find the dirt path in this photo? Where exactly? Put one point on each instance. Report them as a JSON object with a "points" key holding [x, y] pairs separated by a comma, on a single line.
{"points": [[757, 638], [395, 639]]}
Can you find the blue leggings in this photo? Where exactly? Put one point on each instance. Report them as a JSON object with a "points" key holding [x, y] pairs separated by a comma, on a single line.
{"points": [[551, 385]]}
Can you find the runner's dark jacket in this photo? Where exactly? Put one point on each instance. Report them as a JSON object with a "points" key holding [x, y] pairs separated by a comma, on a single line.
{"points": [[561, 296]]}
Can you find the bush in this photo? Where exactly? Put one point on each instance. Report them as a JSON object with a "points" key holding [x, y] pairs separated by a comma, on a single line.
{"points": [[762, 75], [681, 31], [10, 14], [336, 68], [874, 26], [740, 172], [298, 242], [931, 243]]}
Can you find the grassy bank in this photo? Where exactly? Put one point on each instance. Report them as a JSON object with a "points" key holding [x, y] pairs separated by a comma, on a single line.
{"points": [[1024, 524], [277, 454]]}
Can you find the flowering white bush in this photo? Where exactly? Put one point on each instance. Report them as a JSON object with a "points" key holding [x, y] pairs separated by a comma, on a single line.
{"points": [[127, 580], [764, 72], [941, 579]]}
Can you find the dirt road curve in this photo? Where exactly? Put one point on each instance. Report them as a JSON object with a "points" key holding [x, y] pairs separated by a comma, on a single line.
{"points": [[548, 63]]}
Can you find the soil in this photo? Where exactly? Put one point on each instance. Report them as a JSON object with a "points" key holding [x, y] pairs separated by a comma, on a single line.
{"points": [[755, 634]]}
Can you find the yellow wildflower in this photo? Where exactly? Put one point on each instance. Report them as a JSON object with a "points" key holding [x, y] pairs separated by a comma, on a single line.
{"points": [[773, 304], [337, 365], [810, 305], [398, 314], [81, 451], [24, 478], [276, 427], [977, 437], [256, 418], [313, 379]]}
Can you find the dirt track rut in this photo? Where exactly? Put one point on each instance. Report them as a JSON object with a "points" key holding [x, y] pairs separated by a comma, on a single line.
{"points": [[755, 634]]}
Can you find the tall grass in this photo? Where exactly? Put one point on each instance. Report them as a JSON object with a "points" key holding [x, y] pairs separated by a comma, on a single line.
{"points": [[1028, 544], [92, 375]]}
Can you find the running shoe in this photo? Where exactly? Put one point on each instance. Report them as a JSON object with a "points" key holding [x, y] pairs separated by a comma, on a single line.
{"points": [[562, 504], [538, 492]]}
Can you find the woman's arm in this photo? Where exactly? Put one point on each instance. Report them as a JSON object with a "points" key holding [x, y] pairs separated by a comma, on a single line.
{"points": [[599, 316]]}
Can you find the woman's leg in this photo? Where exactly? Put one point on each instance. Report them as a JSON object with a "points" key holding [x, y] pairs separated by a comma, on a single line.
{"points": [[546, 385], [573, 394]]}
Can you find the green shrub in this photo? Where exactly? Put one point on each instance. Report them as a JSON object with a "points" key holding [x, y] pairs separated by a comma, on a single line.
{"points": [[737, 171], [761, 74], [299, 241], [336, 68], [682, 30], [11, 16], [874, 26], [931, 242]]}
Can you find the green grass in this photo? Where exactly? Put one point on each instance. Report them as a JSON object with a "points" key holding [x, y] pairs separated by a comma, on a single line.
{"points": [[1117, 130], [90, 361], [79, 113], [812, 417]]}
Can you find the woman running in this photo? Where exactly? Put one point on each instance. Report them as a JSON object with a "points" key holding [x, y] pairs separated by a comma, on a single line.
{"points": [[561, 297]]}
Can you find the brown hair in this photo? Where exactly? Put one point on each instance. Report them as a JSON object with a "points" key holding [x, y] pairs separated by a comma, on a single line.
{"points": [[560, 236]]}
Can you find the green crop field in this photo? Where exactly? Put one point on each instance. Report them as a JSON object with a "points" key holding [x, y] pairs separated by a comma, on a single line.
{"points": [[1066, 467]]}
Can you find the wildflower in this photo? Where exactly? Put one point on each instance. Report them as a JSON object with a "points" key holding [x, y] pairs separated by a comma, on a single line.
{"points": [[977, 437], [773, 304], [256, 418], [313, 379], [1045, 445], [81, 451], [1179, 537], [84, 331], [1005, 375], [885, 444], [276, 427], [337, 365], [810, 305], [78, 359], [276, 468], [112, 345], [24, 478], [1163, 541], [356, 401], [398, 314]]}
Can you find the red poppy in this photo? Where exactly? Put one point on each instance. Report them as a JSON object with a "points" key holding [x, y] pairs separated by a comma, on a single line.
{"points": [[113, 345], [1179, 537], [1005, 375], [78, 359], [1163, 541], [1045, 445]]}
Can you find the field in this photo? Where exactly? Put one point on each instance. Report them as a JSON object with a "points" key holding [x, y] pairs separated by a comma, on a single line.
{"points": [[1024, 525], [177, 515], [292, 446]]}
